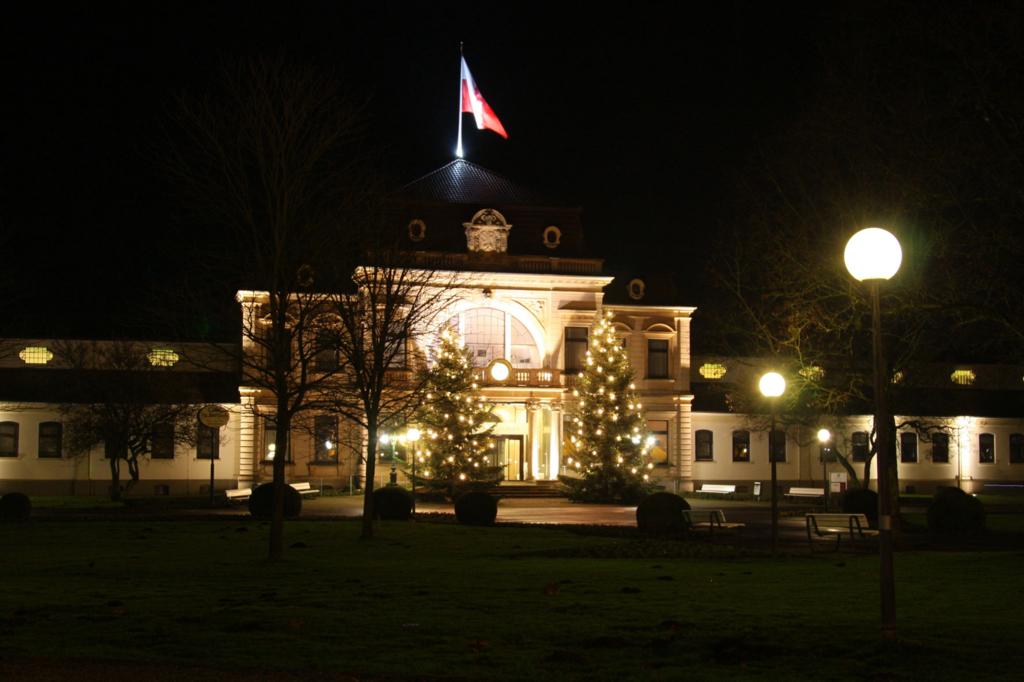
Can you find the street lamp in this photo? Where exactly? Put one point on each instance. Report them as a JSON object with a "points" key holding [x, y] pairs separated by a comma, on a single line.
{"points": [[825, 438], [385, 440], [772, 385], [873, 255], [413, 435]]}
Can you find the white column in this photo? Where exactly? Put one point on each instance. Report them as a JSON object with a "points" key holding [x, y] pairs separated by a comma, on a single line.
{"points": [[247, 439], [555, 446], [536, 427]]}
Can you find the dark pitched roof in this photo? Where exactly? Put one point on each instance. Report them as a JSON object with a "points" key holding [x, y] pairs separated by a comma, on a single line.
{"points": [[96, 386], [463, 182]]}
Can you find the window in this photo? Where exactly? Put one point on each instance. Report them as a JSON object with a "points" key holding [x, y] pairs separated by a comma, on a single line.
{"points": [[491, 334], [659, 448], [713, 371], [776, 446], [986, 448], [575, 349], [162, 446], [859, 446], [400, 360], [657, 359], [270, 441], [1017, 448], [162, 357], [326, 357], [940, 448], [705, 441], [741, 446], [963, 377], [325, 439], [908, 448], [8, 439], [51, 440], [35, 355], [207, 443]]}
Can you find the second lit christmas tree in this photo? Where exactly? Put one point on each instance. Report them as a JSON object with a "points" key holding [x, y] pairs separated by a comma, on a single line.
{"points": [[456, 450], [608, 442]]}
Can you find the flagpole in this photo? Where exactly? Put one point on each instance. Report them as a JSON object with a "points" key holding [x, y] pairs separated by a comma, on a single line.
{"points": [[458, 148]]}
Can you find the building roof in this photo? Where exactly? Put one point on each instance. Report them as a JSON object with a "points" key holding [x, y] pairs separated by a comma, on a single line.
{"points": [[464, 182]]}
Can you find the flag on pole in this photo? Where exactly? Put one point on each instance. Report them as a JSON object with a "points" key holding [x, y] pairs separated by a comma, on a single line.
{"points": [[474, 103]]}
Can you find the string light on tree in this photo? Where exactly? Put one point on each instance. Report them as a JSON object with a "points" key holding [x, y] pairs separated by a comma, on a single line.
{"points": [[457, 421], [609, 445]]}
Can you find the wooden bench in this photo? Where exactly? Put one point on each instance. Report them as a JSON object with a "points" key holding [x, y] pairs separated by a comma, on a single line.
{"points": [[305, 488], [838, 525], [717, 489], [238, 494], [806, 492], [715, 521]]}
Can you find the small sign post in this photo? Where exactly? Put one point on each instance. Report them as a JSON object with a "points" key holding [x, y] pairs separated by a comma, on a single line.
{"points": [[213, 417]]}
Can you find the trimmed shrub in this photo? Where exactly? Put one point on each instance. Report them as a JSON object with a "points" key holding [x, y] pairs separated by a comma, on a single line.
{"points": [[261, 502], [661, 514], [392, 503], [476, 509], [952, 511], [861, 501], [15, 507]]}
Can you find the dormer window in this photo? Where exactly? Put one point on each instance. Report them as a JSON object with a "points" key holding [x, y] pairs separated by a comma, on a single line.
{"points": [[552, 237]]}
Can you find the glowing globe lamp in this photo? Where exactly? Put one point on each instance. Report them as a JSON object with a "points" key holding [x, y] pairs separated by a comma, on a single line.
{"points": [[873, 253], [772, 385]]}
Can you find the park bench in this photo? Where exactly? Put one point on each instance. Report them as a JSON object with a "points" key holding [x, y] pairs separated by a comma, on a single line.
{"points": [[806, 492], [717, 489], [838, 525], [238, 494], [305, 488], [715, 521]]}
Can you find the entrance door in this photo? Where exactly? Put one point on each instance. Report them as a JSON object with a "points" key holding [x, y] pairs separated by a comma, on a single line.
{"points": [[512, 455]]}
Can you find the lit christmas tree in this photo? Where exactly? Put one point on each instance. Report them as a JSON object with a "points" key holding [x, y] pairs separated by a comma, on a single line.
{"points": [[608, 442], [455, 452]]}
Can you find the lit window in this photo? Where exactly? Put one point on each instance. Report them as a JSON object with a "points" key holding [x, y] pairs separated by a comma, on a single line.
{"points": [[859, 446], [657, 359], [812, 373], [552, 236], [1017, 448], [659, 448], [963, 377], [705, 442], [940, 448], [325, 439], [162, 357], [51, 439], [741, 446], [35, 355], [712, 370], [8, 439], [270, 441], [908, 448], [986, 448]]}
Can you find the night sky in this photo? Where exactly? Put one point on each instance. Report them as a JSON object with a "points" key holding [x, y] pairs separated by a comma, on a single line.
{"points": [[640, 115]]}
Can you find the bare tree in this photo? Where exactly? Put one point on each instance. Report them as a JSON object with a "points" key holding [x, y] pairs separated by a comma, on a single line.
{"points": [[395, 311], [127, 405], [271, 160]]}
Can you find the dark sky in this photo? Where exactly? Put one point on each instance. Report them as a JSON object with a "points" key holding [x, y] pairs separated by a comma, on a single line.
{"points": [[640, 115]]}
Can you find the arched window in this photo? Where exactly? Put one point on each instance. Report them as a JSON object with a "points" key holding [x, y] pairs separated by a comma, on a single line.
{"points": [[8, 439], [492, 334], [986, 448], [940, 448], [705, 442]]}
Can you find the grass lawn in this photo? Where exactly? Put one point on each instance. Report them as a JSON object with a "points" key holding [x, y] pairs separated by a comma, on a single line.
{"points": [[500, 603]]}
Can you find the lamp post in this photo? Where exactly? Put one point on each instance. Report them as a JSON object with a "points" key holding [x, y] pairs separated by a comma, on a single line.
{"points": [[873, 255], [413, 435], [772, 385], [385, 440], [825, 438]]}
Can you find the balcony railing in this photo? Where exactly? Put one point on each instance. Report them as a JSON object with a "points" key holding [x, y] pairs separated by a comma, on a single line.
{"points": [[533, 378]]}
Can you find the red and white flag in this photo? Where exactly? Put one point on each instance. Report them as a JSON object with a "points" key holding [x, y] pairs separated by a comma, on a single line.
{"points": [[474, 103]]}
